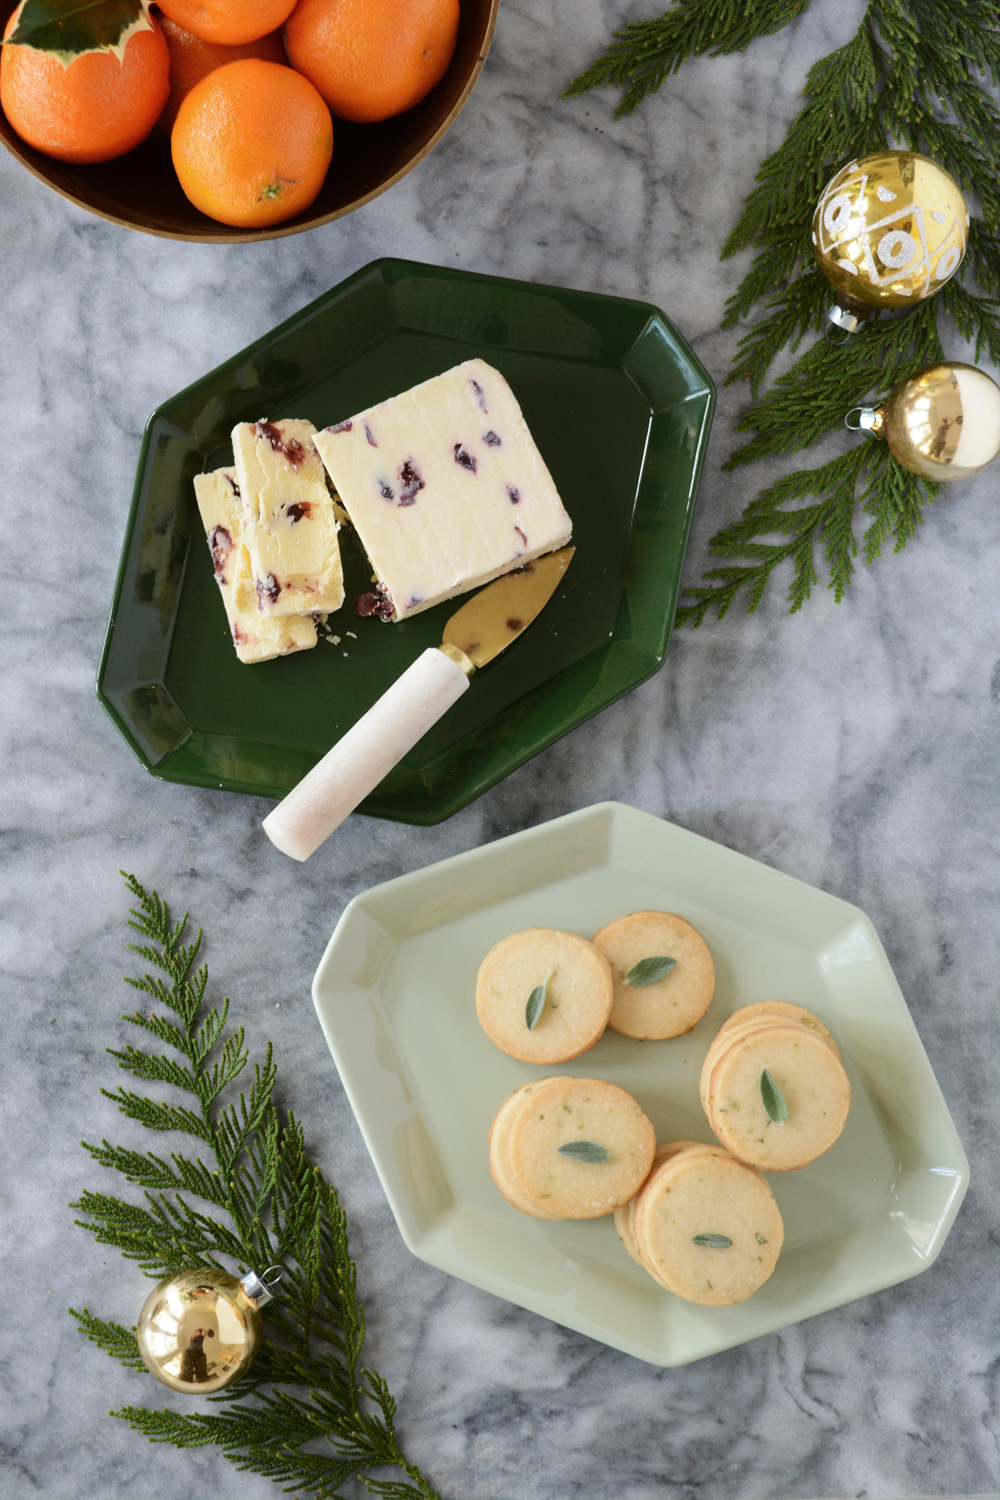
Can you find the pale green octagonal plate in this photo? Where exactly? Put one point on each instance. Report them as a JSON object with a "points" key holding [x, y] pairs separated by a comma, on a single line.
{"points": [[395, 996]]}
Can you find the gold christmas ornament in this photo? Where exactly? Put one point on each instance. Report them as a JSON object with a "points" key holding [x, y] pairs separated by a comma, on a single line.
{"points": [[889, 230], [943, 423], [200, 1330]]}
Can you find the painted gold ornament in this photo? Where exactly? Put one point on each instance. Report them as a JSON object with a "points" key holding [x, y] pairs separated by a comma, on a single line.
{"points": [[943, 423], [200, 1330], [889, 230]]}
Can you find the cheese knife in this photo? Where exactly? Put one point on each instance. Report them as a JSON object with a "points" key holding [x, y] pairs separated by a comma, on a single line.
{"points": [[475, 634]]}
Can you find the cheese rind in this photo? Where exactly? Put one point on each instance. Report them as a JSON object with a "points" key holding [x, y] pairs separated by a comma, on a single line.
{"points": [[256, 636], [445, 486], [291, 529]]}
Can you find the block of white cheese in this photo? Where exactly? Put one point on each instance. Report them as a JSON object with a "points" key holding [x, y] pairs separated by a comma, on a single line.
{"points": [[257, 636], [291, 530], [445, 487]]}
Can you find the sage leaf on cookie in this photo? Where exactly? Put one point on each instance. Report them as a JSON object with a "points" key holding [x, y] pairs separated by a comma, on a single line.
{"points": [[772, 1098], [649, 971], [713, 1241], [588, 1151], [536, 1003]]}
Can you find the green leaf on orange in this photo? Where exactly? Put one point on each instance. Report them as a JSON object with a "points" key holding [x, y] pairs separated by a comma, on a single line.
{"points": [[66, 29]]}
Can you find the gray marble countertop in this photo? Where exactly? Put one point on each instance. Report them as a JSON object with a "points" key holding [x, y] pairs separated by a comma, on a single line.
{"points": [[853, 746]]}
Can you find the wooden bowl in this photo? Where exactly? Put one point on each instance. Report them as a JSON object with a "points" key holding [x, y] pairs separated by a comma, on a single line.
{"points": [[140, 190]]}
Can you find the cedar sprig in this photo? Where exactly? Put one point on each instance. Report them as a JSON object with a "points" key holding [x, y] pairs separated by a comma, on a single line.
{"points": [[645, 53], [916, 74], [307, 1385]]}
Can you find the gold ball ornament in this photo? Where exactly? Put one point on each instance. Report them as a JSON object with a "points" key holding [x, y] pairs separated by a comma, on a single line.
{"points": [[200, 1330], [943, 423], [889, 230]]}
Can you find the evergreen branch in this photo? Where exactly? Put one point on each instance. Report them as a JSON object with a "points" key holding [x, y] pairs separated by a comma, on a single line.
{"points": [[976, 318], [237, 1125], [914, 74], [147, 1170], [826, 382], [157, 1116], [797, 309], [115, 1340], [207, 1036], [155, 1069], [169, 1426], [308, 1387], [829, 521], [161, 1028], [839, 121], [648, 52]]}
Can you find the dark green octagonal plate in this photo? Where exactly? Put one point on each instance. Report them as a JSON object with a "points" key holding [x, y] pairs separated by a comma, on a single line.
{"points": [[620, 409]]}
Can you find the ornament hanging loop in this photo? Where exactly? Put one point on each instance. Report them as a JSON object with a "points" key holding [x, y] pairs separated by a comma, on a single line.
{"points": [[261, 1288]]}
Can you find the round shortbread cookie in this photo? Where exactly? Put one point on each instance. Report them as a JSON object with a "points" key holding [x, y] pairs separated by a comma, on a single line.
{"points": [[713, 1196], [675, 1153], [671, 1005], [578, 994], [757, 1018], [812, 1082], [768, 1012], [625, 1213], [499, 1142], [571, 1112], [716, 1056]]}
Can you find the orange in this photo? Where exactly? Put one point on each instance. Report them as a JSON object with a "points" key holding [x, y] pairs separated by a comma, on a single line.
{"points": [[252, 143], [191, 60], [92, 110], [372, 58], [231, 23]]}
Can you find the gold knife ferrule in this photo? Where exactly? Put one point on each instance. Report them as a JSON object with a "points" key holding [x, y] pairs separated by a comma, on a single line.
{"points": [[458, 655]]}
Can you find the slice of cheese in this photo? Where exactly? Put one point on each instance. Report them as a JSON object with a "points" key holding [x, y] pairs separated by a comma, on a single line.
{"points": [[445, 487], [291, 530], [256, 636]]}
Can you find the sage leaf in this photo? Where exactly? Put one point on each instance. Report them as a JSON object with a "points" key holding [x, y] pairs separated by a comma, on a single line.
{"points": [[649, 971], [588, 1151], [713, 1241], [536, 1003], [772, 1098]]}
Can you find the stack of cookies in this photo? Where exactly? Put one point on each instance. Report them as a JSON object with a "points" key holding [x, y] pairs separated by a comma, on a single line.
{"points": [[704, 1226], [773, 1087], [545, 996], [570, 1148]]}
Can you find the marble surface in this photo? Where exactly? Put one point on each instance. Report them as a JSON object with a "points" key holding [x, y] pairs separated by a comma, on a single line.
{"points": [[853, 746]]}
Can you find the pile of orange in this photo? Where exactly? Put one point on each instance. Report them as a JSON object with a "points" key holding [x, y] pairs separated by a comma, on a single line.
{"points": [[248, 110]]}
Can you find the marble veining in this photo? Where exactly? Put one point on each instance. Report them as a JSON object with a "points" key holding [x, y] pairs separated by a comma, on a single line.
{"points": [[851, 746]]}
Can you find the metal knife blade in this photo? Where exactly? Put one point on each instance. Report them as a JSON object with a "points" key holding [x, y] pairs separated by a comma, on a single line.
{"points": [[505, 608]]}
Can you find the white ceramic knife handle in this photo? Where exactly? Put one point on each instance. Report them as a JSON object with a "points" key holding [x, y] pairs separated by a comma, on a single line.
{"points": [[368, 751]]}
